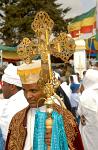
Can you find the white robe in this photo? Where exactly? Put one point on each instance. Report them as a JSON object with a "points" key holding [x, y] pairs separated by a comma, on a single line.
{"points": [[8, 108], [30, 127], [66, 89], [74, 99], [88, 107]]}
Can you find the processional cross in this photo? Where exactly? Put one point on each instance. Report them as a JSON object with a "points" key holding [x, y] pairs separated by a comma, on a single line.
{"points": [[62, 46]]}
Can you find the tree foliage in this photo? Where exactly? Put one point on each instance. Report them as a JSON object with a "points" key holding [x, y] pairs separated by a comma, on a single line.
{"points": [[19, 15]]}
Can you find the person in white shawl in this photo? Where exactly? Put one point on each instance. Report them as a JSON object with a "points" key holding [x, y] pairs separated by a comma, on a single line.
{"points": [[14, 99], [88, 110]]}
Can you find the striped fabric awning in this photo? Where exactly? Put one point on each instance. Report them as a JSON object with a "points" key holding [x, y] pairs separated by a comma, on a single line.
{"points": [[85, 23]]}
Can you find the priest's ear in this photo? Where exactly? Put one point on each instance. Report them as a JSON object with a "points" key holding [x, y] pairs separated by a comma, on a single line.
{"points": [[14, 89]]}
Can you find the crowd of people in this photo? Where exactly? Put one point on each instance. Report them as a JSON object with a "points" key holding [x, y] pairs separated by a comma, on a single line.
{"points": [[84, 104], [21, 127]]}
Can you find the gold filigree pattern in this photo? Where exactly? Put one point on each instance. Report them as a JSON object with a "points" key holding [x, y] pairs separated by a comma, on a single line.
{"points": [[63, 47], [17, 132], [23, 51], [42, 23], [65, 42], [48, 89], [64, 55]]}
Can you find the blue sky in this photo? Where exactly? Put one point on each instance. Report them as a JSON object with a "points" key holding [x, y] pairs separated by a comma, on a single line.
{"points": [[78, 6]]}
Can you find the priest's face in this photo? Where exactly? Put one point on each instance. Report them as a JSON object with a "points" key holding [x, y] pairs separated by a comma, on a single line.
{"points": [[33, 93]]}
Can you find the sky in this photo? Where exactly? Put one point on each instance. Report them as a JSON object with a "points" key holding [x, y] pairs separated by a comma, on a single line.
{"points": [[78, 6]]}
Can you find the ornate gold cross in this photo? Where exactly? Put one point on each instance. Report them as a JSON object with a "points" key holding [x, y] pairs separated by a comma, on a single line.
{"points": [[62, 46]]}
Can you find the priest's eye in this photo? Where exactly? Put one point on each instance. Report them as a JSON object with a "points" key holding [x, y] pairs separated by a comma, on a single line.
{"points": [[30, 90], [34, 90]]}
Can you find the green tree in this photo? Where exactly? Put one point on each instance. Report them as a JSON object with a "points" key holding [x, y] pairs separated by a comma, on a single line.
{"points": [[19, 15]]}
